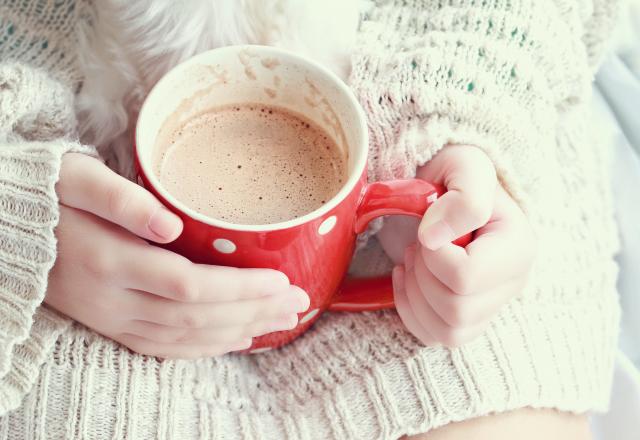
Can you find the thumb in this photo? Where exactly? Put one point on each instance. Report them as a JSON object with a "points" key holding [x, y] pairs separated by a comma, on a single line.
{"points": [[89, 185], [470, 179]]}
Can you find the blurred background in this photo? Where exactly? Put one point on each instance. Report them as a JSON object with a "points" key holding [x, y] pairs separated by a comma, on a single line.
{"points": [[617, 109]]}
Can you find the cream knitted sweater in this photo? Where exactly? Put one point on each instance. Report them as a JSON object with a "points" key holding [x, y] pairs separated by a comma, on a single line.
{"points": [[509, 76]]}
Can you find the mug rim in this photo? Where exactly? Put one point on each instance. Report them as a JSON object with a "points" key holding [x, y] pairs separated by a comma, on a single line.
{"points": [[360, 160]]}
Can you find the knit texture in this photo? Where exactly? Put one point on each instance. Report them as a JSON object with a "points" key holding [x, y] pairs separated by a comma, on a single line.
{"points": [[36, 119], [45, 34], [509, 76]]}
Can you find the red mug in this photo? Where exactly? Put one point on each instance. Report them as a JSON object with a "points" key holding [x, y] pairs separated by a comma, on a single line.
{"points": [[313, 250]]}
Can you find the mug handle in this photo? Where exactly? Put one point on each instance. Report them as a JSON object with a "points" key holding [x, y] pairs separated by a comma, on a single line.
{"points": [[395, 197]]}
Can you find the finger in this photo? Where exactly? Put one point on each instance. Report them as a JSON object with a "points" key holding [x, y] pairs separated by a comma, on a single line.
{"points": [[87, 184], [431, 321], [148, 307], [179, 350], [203, 336], [169, 275], [501, 251], [463, 311], [470, 179], [404, 308]]}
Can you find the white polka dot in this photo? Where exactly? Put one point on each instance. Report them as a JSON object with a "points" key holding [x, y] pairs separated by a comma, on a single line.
{"points": [[327, 225], [140, 182], [260, 350], [432, 197], [309, 316], [224, 246]]}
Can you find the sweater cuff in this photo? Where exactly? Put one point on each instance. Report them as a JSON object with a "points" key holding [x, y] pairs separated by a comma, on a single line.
{"points": [[29, 206], [36, 122], [28, 357]]}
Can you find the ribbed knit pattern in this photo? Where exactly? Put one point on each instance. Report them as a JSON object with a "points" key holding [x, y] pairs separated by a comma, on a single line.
{"points": [[510, 76], [36, 119], [350, 378]]}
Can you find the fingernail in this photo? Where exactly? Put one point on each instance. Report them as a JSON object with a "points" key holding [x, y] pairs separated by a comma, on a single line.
{"points": [[396, 278], [437, 235], [242, 345], [288, 323], [165, 224], [409, 257], [298, 301]]}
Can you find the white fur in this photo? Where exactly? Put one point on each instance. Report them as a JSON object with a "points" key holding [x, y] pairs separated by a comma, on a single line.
{"points": [[131, 44]]}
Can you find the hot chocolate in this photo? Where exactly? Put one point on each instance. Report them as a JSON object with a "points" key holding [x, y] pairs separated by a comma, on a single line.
{"points": [[250, 164]]}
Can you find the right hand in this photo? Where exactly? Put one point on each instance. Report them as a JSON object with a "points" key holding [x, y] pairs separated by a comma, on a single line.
{"points": [[147, 298]]}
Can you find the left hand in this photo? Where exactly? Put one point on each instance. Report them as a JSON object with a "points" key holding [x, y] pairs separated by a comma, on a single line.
{"points": [[446, 294]]}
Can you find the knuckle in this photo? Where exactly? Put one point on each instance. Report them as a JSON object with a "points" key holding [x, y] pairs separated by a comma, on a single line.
{"points": [[479, 158], [185, 289], [489, 167], [477, 211], [169, 317], [101, 265], [182, 336], [168, 335], [192, 320]]}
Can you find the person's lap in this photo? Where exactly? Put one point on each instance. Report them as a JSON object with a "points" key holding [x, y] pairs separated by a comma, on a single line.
{"points": [[523, 424]]}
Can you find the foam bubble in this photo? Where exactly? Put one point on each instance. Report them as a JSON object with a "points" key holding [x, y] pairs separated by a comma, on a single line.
{"points": [[256, 153]]}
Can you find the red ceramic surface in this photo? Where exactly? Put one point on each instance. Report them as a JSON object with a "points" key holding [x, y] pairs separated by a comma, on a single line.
{"points": [[314, 251], [314, 255]]}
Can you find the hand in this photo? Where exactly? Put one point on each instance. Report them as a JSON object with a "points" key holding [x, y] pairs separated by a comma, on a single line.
{"points": [[446, 294], [150, 299]]}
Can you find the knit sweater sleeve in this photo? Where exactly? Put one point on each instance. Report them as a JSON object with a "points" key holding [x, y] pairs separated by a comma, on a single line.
{"points": [[495, 74], [36, 122]]}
